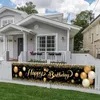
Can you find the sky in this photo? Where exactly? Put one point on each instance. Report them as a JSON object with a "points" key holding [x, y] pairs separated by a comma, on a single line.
{"points": [[58, 6]]}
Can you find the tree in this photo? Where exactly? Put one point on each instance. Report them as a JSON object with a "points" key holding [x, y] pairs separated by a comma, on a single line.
{"points": [[29, 8], [82, 19]]}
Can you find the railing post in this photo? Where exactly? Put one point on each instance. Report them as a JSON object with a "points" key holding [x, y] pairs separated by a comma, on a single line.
{"points": [[5, 48], [25, 42], [97, 77], [68, 39], [64, 56], [55, 57], [45, 55]]}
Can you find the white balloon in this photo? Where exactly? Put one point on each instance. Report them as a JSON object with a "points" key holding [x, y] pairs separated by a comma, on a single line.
{"points": [[86, 83], [91, 75], [24, 68]]}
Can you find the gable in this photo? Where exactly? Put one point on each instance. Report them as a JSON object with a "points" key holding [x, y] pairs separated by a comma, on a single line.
{"points": [[6, 14], [10, 9], [57, 17]]}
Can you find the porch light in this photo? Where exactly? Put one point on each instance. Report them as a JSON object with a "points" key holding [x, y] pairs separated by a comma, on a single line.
{"points": [[63, 38], [1, 40], [30, 39]]}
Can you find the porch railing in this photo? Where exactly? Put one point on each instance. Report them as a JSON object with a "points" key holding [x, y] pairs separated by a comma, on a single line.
{"points": [[59, 56], [20, 57]]}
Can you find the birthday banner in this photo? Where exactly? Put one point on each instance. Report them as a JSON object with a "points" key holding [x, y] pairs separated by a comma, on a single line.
{"points": [[55, 73]]}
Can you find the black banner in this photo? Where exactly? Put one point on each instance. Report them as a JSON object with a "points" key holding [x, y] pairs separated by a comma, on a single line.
{"points": [[56, 73]]}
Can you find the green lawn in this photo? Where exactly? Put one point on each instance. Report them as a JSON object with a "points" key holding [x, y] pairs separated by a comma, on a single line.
{"points": [[21, 92]]}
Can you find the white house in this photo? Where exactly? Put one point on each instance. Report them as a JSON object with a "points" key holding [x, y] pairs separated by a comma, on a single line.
{"points": [[37, 37]]}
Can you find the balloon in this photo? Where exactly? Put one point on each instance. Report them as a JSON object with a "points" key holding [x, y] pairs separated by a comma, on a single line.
{"points": [[24, 68], [87, 69], [83, 75], [76, 74], [44, 79], [86, 83], [20, 74], [91, 75], [15, 69], [91, 81], [72, 81], [16, 75]]}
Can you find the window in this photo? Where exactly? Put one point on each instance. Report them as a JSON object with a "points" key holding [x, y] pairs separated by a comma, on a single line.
{"points": [[46, 43], [6, 21]]}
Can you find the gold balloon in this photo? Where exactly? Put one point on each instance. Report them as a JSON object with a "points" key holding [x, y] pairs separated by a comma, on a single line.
{"points": [[24, 68], [91, 81], [44, 69], [16, 75], [15, 69], [20, 74], [76, 74], [87, 69], [72, 81], [83, 75], [44, 79]]}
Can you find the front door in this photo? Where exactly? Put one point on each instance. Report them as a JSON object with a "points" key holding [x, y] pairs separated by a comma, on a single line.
{"points": [[20, 45]]}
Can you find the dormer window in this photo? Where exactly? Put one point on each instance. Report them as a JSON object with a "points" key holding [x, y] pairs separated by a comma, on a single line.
{"points": [[7, 20]]}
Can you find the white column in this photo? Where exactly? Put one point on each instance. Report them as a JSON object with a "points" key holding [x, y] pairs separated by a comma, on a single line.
{"points": [[72, 46], [68, 39], [5, 48], [4, 43], [25, 47]]}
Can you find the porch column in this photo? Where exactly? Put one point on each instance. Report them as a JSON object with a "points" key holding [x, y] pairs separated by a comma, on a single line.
{"points": [[68, 39], [5, 48], [72, 45], [25, 46]]}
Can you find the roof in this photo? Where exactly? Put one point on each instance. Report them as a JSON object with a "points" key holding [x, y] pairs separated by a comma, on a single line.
{"points": [[13, 26], [49, 21], [50, 14], [15, 10], [92, 23]]}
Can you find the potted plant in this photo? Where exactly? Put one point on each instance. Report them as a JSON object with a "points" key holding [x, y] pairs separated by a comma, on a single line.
{"points": [[51, 53]]}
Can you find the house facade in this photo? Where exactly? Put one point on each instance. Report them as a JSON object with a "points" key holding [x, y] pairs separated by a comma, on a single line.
{"points": [[91, 37], [40, 37]]}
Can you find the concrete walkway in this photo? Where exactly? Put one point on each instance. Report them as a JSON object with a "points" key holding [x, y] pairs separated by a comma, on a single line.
{"points": [[47, 85]]}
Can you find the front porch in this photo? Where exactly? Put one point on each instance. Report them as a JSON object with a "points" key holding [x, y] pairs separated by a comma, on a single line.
{"points": [[15, 41], [24, 47]]}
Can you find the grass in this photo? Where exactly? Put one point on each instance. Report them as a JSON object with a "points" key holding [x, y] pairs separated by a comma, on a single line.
{"points": [[21, 92]]}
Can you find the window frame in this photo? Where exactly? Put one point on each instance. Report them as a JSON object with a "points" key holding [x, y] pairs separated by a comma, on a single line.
{"points": [[7, 19], [56, 41]]}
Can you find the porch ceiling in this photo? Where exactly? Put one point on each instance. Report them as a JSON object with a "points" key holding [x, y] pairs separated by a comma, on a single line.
{"points": [[13, 27], [73, 33]]}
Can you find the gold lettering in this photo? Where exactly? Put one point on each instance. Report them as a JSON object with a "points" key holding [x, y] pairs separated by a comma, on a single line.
{"points": [[31, 72], [51, 74], [28, 72], [71, 73]]}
